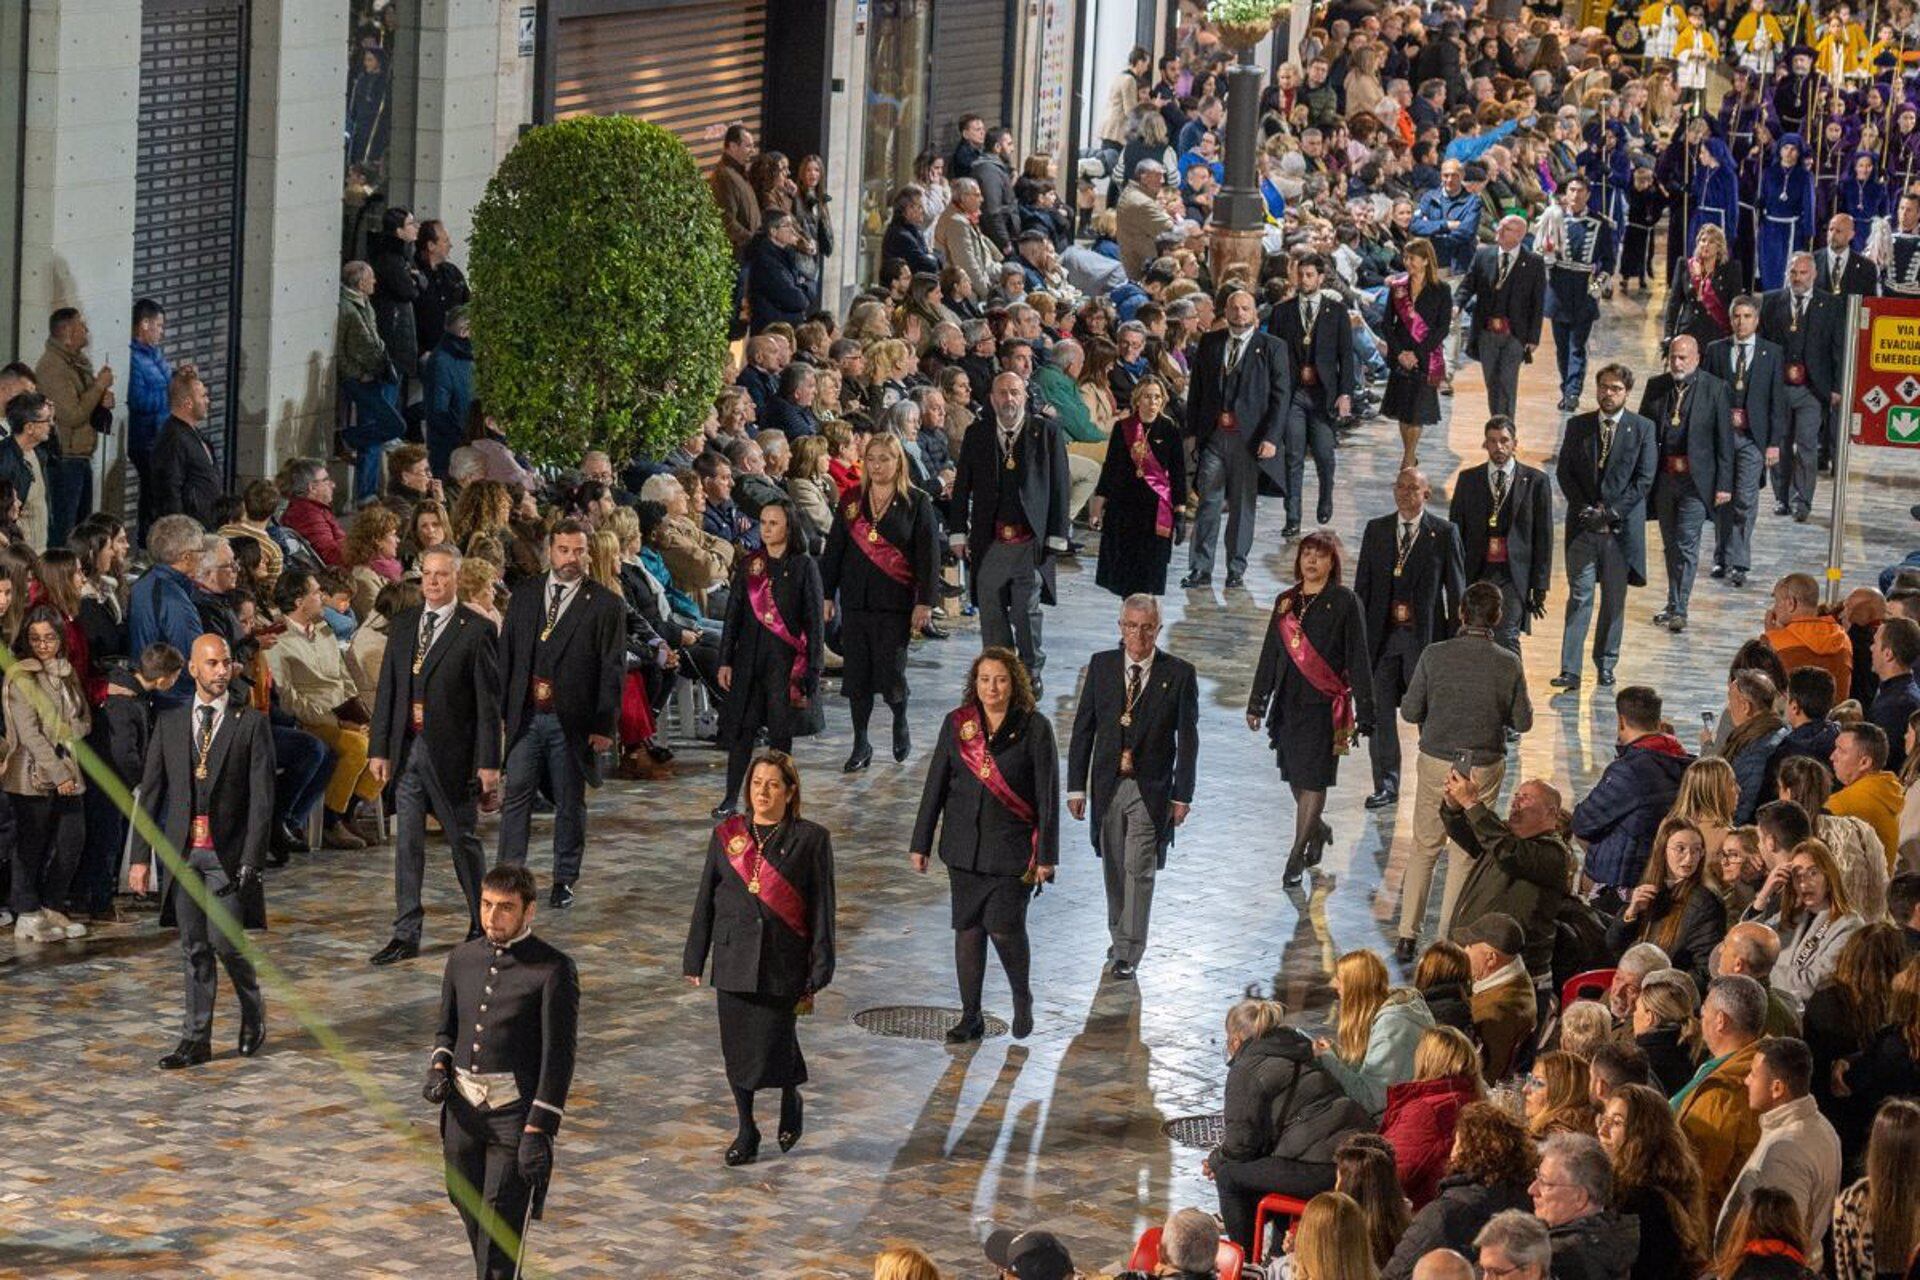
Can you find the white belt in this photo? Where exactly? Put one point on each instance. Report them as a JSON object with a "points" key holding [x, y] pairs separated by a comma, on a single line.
{"points": [[1774, 217], [482, 1090]]}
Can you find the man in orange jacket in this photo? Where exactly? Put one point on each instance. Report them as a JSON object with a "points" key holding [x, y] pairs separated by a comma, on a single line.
{"points": [[1803, 636]]}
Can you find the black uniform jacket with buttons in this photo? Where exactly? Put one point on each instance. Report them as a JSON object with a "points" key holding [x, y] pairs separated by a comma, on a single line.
{"points": [[513, 1008], [850, 573], [1164, 737], [753, 950], [459, 685], [1765, 398], [1431, 581], [239, 806], [977, 832]]}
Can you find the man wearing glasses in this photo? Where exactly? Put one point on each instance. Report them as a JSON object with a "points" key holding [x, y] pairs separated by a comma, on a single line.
{"points": [[1570, 1195], [1514, 1245]]}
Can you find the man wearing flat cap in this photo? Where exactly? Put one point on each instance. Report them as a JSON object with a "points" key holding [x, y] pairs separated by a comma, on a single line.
{"points": [[1503, 1006], [1028, 1255]]}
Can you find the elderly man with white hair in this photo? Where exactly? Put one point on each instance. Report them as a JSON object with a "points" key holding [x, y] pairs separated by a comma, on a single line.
{"points": [[1514, 1245], [1635, 963], [1506, 287], [1140, 217], [1189, 1249]]}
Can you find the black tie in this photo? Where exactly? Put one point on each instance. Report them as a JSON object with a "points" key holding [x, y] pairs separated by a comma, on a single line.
{"points": [[1799, 309], [1506, 265], [1606, 439], [206, 735], [1406, 538], [1133, 683], [553, 610], [427, 624], [1740, 367], [1235, 346], [1499, 489]]}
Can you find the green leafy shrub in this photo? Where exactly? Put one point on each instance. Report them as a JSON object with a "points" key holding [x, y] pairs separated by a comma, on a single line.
{"points": [[602, 284]]}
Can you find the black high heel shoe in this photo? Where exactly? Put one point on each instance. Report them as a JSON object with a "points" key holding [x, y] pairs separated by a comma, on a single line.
{"points": [[862, 757], [902, 739], [745, 1148], [967, 1030], [1296, 869], [1317, 847], [792, 1119]]}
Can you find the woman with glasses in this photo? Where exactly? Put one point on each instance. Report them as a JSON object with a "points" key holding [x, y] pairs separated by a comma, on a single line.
{"points": [[1556, 1097], [1656, 1180], [1815, 917], [1673, 907]]}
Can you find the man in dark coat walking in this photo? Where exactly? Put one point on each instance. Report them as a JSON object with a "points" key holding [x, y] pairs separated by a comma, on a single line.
{"points": [[1755, 372], [1505, 288], [1504, 512], [1319, 338], [1693, 423], [1237, 418]]}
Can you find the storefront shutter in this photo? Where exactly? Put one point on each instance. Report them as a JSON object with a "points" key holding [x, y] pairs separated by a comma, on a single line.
{"points": [[970, 63]]}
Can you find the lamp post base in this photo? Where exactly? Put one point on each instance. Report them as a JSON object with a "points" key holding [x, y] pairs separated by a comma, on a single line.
{"points": [[1235, 254]]}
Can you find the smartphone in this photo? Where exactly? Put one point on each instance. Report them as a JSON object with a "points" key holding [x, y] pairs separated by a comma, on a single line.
{"points": [[1706, 723], [1463, 764]]}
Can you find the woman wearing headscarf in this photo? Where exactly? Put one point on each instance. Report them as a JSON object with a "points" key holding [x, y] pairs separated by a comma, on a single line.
{"points": [[1786, 211]]}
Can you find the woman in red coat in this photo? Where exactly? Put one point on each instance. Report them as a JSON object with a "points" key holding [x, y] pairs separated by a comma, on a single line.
{"points": [[1421, 1113]]}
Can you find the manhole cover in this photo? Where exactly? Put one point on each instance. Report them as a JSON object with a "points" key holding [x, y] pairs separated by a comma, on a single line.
{"points": [[1200, 1132], [917, 1021]]}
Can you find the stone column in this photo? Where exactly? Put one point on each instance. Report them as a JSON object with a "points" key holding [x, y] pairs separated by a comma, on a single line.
{"points": [[290, 279], [1239, 214], [455, 123]]}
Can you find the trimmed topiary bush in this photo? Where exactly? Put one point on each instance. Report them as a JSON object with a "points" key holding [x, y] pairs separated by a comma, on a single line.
{"points": [[602, 284]]}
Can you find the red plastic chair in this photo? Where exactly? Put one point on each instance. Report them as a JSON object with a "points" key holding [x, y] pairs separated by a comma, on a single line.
{"points": [[1280, 1207], [1591, 985], [1146, 1256]]}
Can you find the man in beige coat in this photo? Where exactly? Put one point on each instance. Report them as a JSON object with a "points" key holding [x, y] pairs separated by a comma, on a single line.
{"points": [[1140, 218], [958, 239], [82, 402]]}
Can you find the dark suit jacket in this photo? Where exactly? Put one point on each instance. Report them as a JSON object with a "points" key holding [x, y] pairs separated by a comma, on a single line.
{"points": [[1329, 349], [1434, 578], [977, 833], [1860, 277], [908, 243], [753, 950], [846, 571], [588, 665], [183, 476], [526, 996], [1043, 487], [1529, 525], [1709, 429], [1825, 341], [459, 683], [1164, 737], [1256, 394], [1521, 299], [240, 804], [1766, 397], [1622, 489]]}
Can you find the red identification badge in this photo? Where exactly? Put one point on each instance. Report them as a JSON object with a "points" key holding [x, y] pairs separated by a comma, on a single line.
{"points": [[1677, 464], [1309, 376], [1739, 419], [202, 834], [1796, 374], [1496, 550], [1228, 422], [1496, 324], [419, 715], [1402, 612], [542, 693]]}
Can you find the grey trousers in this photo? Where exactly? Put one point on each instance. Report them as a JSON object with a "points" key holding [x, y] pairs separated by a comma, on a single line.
{"points": [[1594, 558], [544, 743], [1500, 358], [417, 792], [1007, 580], [1309, 431], [201, 940], [1225, 475], [1391, 676], [1733, 520], [1681, 513], [1799, 461], [1130, 858]]}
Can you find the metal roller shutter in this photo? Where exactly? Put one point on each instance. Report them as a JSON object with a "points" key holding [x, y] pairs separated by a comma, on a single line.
{"points": [[189, 186], [692, 69], [972, 52]]}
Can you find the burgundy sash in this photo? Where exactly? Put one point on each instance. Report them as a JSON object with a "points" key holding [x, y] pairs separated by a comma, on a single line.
{"points": [[970, 737], [886, 557], [1402, 299], [762, 878], [760, 597], [1325, 680], [1709, 296], [1152, 474]]}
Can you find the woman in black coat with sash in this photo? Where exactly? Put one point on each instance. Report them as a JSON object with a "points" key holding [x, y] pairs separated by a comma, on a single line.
{"points": [[771, 648], [1700, 296], [994, 779], [1313, 689], [766, 910], [1419, 313], [882, 565], [1143, 485]]}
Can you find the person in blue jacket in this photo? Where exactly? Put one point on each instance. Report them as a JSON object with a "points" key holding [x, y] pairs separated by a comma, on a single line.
{"points": [[446, 383], [148, 373], [775, 289], [1863, 197], [1449, 216], [1716, 193], [1786, 211]]}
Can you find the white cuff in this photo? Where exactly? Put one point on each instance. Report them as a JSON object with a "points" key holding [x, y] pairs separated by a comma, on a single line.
{"points": [[1056, 544], [548, 1106], [1076, 795]]}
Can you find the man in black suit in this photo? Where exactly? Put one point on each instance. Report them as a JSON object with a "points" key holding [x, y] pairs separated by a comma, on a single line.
{"points": [[1806, 325], [1410, 576], [1606, 470], [1136, 730], [562, 662], [181, 471], [208, 784], [502, 1087], [1756, 376], [440, 692], [1506, 288], [1504, 512], [1319, 340], [1236, 417], [1838, 269], [1694, 426], [1009, 517]]}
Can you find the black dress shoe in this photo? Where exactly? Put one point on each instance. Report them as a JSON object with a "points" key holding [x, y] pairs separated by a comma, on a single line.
{"points": [[745, 1148], [252, 1036], [188, 1053], [1317, 846], [1800, 517], [1383, 797], [1568, 404], [967, 1030], [793, 1116], [1291, 531], [395, 950], [1719, 571], [1296, 870], [1782, 509], [1193, 581], [902, 741], [289, 837], [1605, 680], [1323, 513], [1565, 680], [1738, 577], [1124, 971], [1403, 949], [1023, 1020], [1235, 581], [862, 757], [561, 898]]}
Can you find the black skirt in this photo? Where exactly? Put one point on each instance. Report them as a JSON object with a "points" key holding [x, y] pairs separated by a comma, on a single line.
{"points": [[873, 653], [997, 904], [1409, 398], [1304, 747], [1133, 560], [760, 1041]]}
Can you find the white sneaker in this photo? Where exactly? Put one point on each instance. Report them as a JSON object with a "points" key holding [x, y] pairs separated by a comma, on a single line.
{"points": [[35, 927], [64, 923]]}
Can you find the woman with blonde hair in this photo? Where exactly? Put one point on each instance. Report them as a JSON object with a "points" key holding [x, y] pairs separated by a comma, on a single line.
{"points": [[1709, 795], [1421, 1113], [1815, 914], [475, 582], [1673, 906], [1666, 1027], [1095, 381], [1332, 1243], [1585, 1025], [484, 506], [889, 361], [904, 1264], [1556, 1096], [1703, 290], [1377, 1033], [1419, 314]]}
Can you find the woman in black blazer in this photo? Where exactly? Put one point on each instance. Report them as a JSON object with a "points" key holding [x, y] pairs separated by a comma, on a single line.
{"points": [[766, 910], [1136, 520], [770, 661], [1701, 297], [1314, 700], [994, 778], [882, 563], [1419, 313]]}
